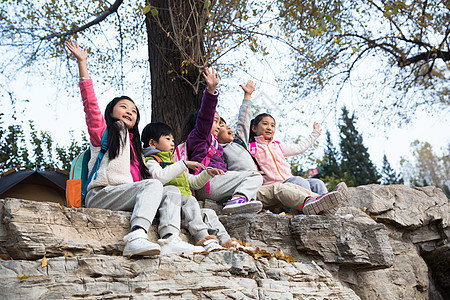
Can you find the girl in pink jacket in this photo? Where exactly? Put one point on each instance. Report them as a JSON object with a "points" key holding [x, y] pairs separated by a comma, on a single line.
{"points": [[270, 154]]}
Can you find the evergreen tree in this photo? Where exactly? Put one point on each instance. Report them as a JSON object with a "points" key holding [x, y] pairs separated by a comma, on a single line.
{"points": [[329, 165], [388, 174], [329, 168], [355, 160]]}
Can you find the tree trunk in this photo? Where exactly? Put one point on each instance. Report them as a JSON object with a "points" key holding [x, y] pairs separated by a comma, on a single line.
{"points": [[172, 97]]}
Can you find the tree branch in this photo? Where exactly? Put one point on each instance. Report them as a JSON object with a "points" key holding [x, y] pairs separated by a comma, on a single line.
{"points": [[110, 10], [444, 55]]}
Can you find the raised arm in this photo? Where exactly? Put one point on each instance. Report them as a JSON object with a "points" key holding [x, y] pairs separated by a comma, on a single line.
{"points": [[81, 56], [205, 115], [303, 145], [245, 113], [94, 119]]}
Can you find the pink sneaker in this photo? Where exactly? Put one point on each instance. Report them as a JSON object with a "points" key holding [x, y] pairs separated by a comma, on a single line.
{"points": [[326, 203]]}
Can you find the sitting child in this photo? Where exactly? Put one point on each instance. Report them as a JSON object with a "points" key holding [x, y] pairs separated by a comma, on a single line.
{"points": [[120, 181], [159, 145], [270, 154], [202, 146], [235, 151]]}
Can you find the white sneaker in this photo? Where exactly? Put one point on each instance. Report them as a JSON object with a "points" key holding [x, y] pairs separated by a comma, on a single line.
{"points": [[137, 243], [237, 245], [175, 245], [211, 245], [241, 205]]}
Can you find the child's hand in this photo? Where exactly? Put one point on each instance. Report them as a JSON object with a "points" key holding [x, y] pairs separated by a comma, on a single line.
{"points": [[212, 79], [193, 165], [316, 127], [80, 54], [249, 88], [214, 171]]}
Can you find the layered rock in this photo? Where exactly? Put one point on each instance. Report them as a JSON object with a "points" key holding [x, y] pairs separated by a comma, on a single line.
{"points": [[382, 245]]}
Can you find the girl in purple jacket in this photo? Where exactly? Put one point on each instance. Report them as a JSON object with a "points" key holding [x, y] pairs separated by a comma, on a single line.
{"points": [[235, 190]]}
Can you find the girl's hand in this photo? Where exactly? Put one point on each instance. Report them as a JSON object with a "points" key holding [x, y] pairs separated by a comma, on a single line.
{"points": [[80, 54], [214, 171], [316, 127], [212, 79], [249, 88], [193, 165]]}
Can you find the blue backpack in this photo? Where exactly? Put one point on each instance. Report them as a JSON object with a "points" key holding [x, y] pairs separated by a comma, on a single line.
{"points": [[79, 177]]}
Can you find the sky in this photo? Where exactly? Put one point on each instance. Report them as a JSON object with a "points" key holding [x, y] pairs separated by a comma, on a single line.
{"points": [[59, 110], [59, 113]]}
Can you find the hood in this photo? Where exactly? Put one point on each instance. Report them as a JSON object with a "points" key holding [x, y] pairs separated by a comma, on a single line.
{"points": [[150, 151]]}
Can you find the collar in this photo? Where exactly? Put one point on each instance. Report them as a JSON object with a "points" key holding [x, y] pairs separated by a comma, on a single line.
{"points": [[260, 139]]}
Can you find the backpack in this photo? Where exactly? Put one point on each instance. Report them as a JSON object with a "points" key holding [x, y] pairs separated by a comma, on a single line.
{"points": [[160, 161], [79, 178]]}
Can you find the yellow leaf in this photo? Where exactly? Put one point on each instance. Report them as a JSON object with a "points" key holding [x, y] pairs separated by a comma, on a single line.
{"points": [[146, 9], [44, 262], [23, 277], [68, 255], [279, 254]]}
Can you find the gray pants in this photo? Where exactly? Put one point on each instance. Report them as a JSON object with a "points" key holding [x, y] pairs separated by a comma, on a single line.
{"points": [[214, 226], [231, 184], [143, 198], [311, 184], [191, 218]]}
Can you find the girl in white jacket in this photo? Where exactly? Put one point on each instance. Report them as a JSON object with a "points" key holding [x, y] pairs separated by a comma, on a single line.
{"points": [[119, 183]]}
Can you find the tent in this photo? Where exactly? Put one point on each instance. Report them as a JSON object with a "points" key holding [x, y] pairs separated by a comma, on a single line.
{"points": [[34, 185]]}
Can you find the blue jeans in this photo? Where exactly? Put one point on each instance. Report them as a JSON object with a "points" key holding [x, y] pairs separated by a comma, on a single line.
{"points": [[311, 184]]}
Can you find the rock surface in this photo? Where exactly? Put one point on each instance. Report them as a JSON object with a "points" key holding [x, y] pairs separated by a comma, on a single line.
{"points": [[382, 245]]}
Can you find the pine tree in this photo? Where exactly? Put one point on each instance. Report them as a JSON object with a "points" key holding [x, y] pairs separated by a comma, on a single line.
{"points": [[355, 160], [389, 176], [329, 165]]}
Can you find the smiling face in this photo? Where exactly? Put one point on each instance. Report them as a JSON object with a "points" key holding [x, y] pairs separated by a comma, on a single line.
{"points": [[164, 144], [126, 111], [225, 134], [215, 125], [265, 127]]}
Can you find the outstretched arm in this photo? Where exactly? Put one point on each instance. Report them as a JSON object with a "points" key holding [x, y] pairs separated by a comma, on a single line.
{"points": [[212, 79], [248, 89], [245, 113], [302, 146], [81, 56]]}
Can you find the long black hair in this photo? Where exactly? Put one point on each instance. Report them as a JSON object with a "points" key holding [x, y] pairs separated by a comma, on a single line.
{"points": [[255, 122], [188, 126], [114, 140]]}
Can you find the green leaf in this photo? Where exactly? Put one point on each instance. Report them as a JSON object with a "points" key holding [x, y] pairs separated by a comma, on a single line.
{"points": [[146, 9], [207, 4], [154, 12]]}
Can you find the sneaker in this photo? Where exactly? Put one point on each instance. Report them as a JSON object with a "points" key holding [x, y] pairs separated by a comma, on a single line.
{"points": [[137, 243], [342, 194], [175, 245], [211, 245], [241, 205], [326, 203], [237, 245]]}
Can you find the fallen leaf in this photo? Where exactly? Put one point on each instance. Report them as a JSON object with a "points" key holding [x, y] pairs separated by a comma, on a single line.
{"points": [[23, 277], [44, 262]]}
